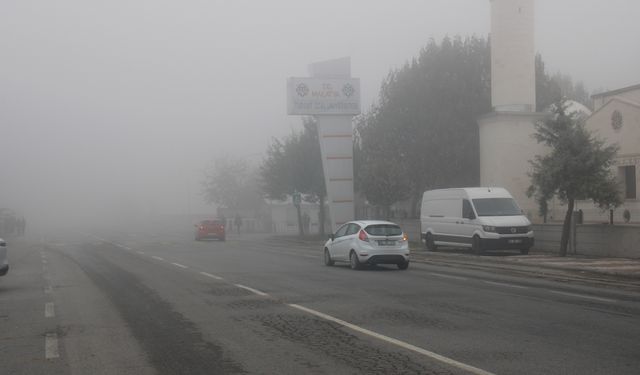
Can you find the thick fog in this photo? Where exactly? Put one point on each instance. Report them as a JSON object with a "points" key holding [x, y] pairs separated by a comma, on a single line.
{"points": [[112, 109]]}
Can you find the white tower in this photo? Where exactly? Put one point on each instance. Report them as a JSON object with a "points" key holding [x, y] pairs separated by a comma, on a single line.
{"points": [[513, 75], [506, 142]]}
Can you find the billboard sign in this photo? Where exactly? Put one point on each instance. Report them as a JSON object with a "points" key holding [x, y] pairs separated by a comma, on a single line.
{"points": [[323, 96]]}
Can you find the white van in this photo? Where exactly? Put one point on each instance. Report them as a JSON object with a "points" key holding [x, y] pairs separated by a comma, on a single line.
{"points": [[483, 218]]}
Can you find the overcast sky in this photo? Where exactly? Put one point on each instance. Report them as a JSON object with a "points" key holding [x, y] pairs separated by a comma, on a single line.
{"points": [[109, 106]]}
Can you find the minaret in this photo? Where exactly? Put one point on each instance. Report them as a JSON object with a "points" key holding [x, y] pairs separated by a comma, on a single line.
{"points": [[513, 75], [506, 142]]}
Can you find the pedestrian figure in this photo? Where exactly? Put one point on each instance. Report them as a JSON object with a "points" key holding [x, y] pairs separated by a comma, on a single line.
{"points": [[306, 221], [238, 222]]}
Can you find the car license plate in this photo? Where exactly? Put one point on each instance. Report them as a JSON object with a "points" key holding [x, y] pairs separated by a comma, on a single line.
{"points": [[516, 241], [386, 242]]}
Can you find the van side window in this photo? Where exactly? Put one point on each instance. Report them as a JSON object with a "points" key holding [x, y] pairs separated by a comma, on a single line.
{"points": [[467, 211]]}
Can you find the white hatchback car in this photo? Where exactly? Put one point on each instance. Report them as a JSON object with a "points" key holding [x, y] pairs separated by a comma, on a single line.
{"points": [[4, 262], [368, 242]]}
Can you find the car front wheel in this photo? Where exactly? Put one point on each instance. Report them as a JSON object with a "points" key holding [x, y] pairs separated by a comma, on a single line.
{"points": [[476, 245], [354, 262], [327, 258]]}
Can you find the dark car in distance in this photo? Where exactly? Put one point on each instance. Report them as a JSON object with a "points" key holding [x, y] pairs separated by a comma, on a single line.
{"points": [[210, 229]]}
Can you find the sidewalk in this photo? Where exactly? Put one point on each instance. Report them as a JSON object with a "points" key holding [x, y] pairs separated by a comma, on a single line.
{"points": [[536, 262], [580, 266]]}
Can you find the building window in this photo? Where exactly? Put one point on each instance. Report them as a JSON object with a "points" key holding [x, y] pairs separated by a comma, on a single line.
{"points": [[629, 174], [616, 120]]}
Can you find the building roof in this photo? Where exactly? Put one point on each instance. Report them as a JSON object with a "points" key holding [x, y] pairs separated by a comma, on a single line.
{"points": [[617, 91]]}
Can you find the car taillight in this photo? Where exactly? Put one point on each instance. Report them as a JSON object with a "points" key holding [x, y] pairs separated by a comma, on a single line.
{"points": [[405, 237], [362, 236], [202, 227]]}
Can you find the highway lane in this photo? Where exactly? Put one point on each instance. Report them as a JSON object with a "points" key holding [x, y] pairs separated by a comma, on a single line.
{"points": [[254, 306]]}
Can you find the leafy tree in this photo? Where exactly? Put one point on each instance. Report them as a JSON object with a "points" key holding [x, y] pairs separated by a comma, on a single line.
{"points": [[231, 183], [551, 88], [424, 128], [294, 164], [577, 167]]}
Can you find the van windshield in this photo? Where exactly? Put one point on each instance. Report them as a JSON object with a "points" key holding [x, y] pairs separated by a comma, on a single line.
{"points": [[496, 207]]}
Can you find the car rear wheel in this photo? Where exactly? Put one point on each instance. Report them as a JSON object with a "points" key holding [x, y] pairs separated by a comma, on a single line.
{"points": [[524, 251], [403, 265], [429, 242], [354, 262], [327, 258]]}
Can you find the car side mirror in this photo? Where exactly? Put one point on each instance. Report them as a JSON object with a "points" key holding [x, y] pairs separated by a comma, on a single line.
{"points": [[332, 237], [472, 216]]}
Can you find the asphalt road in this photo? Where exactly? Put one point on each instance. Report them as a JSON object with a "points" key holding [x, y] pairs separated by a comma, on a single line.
{"points": [[161, 303]]}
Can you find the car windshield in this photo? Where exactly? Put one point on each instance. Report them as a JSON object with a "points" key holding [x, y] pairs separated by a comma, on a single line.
{"points": [[383, 230], [496, 207]]}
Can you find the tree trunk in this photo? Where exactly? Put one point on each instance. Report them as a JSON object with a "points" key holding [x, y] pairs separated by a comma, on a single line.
{"points": [[300, 228], [321, 215], [566, 227]]}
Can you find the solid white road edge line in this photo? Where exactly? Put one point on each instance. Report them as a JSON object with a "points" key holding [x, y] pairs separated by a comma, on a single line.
{"points": [[179, 265], [402, 344], [505, 284], [157, 258], [255, 291], [51, 346], [584, 296], [211, 276], [49, 311]]}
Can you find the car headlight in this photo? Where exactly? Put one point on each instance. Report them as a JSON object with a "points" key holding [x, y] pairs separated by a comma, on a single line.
{"points": [[488, 228]]}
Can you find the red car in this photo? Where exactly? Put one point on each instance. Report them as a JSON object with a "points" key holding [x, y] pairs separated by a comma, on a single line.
{"points": [[210, 229]]}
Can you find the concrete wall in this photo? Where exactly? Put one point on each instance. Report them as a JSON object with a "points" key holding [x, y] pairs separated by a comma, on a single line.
{"points": [[618, 241], [598, 240]]}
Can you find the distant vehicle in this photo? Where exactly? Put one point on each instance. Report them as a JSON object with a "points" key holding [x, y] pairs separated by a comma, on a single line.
{"points": [[209, 229], [4, 261], [368, 242], [484, 218]]}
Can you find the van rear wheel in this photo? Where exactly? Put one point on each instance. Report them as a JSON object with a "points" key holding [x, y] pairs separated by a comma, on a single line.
{"points": [[429, 242]]}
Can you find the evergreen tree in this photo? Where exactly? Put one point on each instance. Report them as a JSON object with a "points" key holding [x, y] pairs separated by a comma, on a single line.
{"points": [[577, 167]]}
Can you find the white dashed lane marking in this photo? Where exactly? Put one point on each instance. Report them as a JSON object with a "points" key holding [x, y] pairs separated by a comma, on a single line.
{"points": [[157, 258], [599, 299], [448, 276], [211, 276], [180, 265], [51, 346], [505, 284], [140, 252], [49, 310]]}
